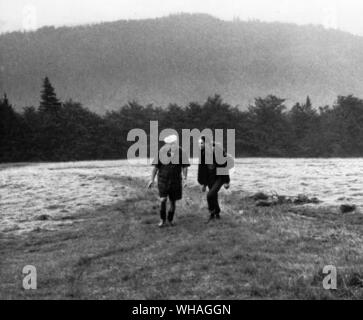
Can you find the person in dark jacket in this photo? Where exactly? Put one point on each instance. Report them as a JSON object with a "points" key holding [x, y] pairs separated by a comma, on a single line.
{"points": [[171, 167], [208, 175]]}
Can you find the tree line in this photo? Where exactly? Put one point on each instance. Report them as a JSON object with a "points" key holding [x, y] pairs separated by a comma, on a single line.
{"points": [[67, 131]]}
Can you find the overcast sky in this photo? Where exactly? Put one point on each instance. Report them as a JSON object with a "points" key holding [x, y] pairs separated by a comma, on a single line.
{"points": [[31, 14]]}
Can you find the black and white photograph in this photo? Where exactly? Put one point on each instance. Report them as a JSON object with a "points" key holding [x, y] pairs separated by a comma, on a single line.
{"points": [[181, 150]]}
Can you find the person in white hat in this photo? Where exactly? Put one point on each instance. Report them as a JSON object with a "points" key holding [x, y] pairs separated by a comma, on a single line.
{"points": [[171, 167]]}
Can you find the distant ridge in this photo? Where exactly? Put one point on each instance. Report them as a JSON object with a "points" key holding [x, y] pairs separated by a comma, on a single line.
{"points": [[181, 58]]}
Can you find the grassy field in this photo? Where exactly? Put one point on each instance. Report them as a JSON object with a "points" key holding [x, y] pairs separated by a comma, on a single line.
{"points": [[117, 252]]}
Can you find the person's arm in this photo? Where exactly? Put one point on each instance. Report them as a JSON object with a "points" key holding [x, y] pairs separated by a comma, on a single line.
{"points": [[153, 175]]}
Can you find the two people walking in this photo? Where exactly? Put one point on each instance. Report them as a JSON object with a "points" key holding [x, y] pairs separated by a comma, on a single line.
{"points": [[171, 167]]}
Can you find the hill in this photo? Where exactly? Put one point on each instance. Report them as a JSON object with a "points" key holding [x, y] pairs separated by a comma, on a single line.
{"points": [[181, 58]]}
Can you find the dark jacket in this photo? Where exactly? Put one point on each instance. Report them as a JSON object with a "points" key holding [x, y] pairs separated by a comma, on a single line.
{"points": [[207, 173], [170, 175]]}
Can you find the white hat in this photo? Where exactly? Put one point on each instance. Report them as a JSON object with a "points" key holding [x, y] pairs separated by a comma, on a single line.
{"points": [[171, 139]]}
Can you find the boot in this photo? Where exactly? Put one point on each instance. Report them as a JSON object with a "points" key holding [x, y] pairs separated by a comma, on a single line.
{"points": [[162, 224], [171, 218], [211, 217]]}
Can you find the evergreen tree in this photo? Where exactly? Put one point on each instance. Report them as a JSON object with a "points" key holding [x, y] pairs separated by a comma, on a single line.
{"points": [[7, 117], [10, 132], [51, 124], [32, 149], [347, 125], [49, 100], [304, 122], [271, 132]]}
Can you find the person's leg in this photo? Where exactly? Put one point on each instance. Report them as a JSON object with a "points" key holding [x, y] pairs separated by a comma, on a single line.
{"points": [[162, 211], [217, 207], [212, 198], [171, 212], [175, 194]]}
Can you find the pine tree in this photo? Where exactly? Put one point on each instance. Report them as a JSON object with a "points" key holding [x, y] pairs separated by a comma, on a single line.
{"points": [[10, 131], [49, 100], [51, 122], [7, 114]]}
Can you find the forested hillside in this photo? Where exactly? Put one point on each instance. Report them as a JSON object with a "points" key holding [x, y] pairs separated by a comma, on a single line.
{"points": [[181, 58]]}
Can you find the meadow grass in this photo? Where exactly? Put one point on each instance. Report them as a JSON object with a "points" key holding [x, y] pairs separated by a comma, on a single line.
{"points": [[118, 252]]}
